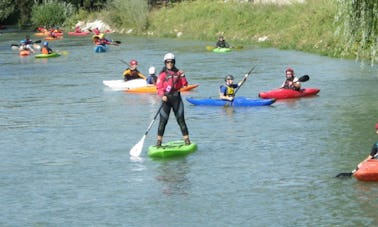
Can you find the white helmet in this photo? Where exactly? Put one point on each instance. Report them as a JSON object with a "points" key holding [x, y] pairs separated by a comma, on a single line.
{"points": [[169, 56], [152, 70]]}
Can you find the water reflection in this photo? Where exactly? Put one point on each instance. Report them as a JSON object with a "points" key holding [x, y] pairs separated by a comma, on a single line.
{"points": [[172, 174]]}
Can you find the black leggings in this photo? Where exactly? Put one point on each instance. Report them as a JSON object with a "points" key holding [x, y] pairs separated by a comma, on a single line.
{"points": [[174, 102]]}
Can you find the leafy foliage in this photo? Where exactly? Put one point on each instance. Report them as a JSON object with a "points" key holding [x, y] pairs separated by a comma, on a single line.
{"points": [[130, 13], [358, 26], [51, 13], [6, 8]]}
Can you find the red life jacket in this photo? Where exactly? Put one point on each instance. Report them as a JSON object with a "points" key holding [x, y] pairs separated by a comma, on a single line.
{"points": [[170, 81]]}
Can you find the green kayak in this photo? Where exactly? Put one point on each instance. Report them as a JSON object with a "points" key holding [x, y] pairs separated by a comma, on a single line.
{"points": [[221, 50], [53, 54], [171, 149]]}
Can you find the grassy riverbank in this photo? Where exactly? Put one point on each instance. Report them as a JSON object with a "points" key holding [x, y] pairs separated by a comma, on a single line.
{"points": [[306, 27]]}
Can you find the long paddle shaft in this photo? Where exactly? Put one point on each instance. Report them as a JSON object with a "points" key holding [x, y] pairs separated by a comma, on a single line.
{"points": [[244, 79], [137, 149], [125, 62]]}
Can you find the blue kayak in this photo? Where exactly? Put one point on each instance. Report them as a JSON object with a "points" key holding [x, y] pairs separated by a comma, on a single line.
{"points": [[238, 101], [100, 48]]}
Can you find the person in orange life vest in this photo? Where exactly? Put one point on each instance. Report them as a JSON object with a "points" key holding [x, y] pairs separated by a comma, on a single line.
{"points": [[132, 72], [374, 150], [46, 49], [168, 84], [227, 91], [291, 82]]}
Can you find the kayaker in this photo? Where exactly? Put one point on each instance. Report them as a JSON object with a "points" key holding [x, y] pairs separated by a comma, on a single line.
{"points": [[102, 40], [78, 29], [46, 49], [291, 82], [27, 40], [24, 46], [374, 150], [169, 83], [132, 72], [222, 43], [227, 90], [151, 79], [96, 31]]}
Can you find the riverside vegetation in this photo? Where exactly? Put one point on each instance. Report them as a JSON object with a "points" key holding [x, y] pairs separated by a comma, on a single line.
{"points": [[335, 28]]}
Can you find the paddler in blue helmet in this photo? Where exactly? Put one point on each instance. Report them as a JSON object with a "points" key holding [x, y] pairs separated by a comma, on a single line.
{"points": [[227, 90]]}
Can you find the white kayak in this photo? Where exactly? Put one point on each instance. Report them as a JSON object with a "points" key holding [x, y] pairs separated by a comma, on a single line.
{"points": [[124, 85]]}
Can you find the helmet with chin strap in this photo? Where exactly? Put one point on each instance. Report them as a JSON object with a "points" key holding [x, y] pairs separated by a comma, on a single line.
{"points": [[229, 77], [133, 62], [169, 56], [289, 70]]}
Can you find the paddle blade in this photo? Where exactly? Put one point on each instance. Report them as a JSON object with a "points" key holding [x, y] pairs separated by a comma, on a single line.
{"points": [[343, 175], [38, 41], [304, 78], [118, 42], [210, 48], [237, 47], [36, 46], [137, 149]]}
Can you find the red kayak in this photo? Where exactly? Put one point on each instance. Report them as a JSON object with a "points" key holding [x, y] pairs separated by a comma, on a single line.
{"points": [[368, 171], [283, 93]]}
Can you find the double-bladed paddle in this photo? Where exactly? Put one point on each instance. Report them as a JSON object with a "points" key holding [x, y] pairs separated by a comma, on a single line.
{"points": [[242, 82], [137, 148], [303, 78], [210, 48], [16, 45]]}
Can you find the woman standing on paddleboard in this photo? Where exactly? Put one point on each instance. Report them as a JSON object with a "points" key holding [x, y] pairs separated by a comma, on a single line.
{"points": [[168, 84]]}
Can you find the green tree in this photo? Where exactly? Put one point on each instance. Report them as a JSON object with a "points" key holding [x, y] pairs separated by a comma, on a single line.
{"points": [[6, 8], [51, 13], [358, 24]]}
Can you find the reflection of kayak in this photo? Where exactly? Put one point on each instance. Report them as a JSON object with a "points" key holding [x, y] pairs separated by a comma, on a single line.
{"points": [[368, 171], [78, 33], [282, 93], [238, 101], [123, 85], [171, 149], [24, 52], [100, 48], [152, 89], [52, 55], [221, 50]]}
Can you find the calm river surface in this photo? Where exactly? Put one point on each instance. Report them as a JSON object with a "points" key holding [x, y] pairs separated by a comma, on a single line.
{"points": [[65, 140]]}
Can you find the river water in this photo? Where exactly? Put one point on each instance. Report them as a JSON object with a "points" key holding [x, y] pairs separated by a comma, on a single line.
{"points": [[65, 140]]}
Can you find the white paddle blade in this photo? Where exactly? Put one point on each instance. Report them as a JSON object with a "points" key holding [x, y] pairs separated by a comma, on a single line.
{"points": [[137, 149]]}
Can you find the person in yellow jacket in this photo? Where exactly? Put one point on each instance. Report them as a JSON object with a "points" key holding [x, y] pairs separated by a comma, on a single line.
{"points": [[132, 72], [46, 49]]}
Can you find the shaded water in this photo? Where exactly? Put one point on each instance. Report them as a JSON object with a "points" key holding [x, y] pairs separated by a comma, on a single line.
{"points": [[65, 140]]}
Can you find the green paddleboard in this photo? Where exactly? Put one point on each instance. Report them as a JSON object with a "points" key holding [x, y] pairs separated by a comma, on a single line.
{"points": [[171, 149]]}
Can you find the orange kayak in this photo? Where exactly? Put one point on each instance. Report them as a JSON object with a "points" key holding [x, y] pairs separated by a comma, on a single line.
{"points": [[152, 89], [368, 171], [24, 53]]}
